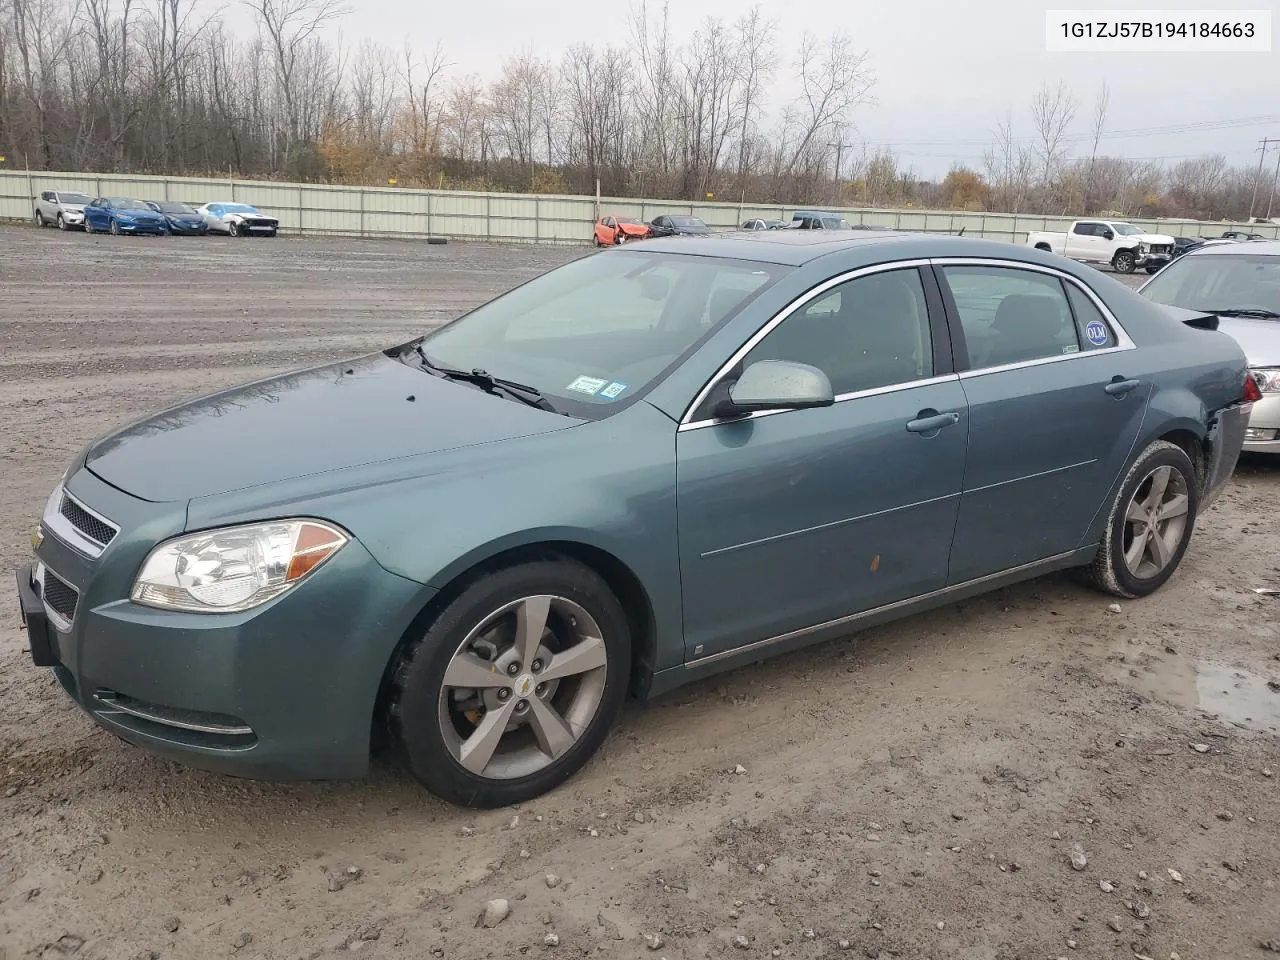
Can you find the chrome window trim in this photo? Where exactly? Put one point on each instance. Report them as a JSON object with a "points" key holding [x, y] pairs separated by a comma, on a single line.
{"points": [[64, 530], [807, 297], [1123, 340]]}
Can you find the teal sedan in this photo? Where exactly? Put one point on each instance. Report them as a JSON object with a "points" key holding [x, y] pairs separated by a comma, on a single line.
{"points": [[648, 465]]}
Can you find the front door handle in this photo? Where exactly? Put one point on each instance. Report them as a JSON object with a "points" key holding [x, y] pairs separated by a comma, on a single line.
{"points": [[1119, 388], [930, 421]]}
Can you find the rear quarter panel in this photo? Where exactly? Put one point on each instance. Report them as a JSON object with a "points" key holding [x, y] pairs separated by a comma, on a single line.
{"points": [[1195, 376]]}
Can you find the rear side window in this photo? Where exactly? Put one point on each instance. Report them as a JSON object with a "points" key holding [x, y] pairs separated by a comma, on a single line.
{"points": [[1010, 315], [1094, 331]]}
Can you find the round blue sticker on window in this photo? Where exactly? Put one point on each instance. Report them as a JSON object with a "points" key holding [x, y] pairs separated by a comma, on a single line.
{"points": [[1097, 332]]}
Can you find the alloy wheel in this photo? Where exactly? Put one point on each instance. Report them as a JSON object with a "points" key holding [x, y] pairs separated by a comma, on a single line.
{"points": [[523, 687], [1155, 522]]}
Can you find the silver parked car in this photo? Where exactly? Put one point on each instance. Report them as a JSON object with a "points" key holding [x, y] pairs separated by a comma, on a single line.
{"points": [[61, 208], [1240, 283], [238, 220]]}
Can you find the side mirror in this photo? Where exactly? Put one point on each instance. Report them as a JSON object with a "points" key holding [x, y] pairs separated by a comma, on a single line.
{"points": [[1108, 235], [777, 385]]}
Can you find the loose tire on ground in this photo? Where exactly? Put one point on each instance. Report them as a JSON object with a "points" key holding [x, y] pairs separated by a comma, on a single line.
{"points": [[465, 675], [1114, 570]]}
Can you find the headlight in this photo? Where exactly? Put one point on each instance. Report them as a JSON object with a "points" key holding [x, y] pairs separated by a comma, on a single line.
{"points": [[1267, 378], [124, 218], [1142, 248], [234, 568]]}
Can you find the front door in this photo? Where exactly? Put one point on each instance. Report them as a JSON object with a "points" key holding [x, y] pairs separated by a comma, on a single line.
{"points": [[1054, 412], [795, 518]]}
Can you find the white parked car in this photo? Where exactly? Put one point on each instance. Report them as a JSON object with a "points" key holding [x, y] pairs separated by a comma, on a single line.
{"points": [[238, 220], [61, 208], [1120, 244]]}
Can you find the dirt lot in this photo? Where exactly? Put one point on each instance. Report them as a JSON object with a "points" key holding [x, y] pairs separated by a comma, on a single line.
{"points": [[914, 792]]}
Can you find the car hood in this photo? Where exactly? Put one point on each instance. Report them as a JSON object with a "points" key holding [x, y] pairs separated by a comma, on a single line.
{"points": [[1149, 238], [72, 207], [1259, 339], [633, 228], [304, 423]]}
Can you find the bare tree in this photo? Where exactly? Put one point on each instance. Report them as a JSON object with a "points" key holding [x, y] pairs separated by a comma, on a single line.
{"points": [[426, 106], [834, 78], [1100, 106], [289, 26], [1052, 110], [757, 60]]}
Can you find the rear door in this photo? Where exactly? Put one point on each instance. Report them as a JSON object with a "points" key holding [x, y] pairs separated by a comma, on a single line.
{"points": [[1054, 411]]}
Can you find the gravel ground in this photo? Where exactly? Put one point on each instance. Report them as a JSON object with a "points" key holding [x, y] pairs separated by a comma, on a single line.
{"points": [[916, 791]]}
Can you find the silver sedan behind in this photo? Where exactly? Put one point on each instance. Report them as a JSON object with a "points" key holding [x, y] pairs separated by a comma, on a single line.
{"points": [[1240, 283]]}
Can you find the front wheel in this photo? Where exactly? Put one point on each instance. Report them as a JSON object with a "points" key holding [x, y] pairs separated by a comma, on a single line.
{"points": [[1124, 261], [1150, 524], [114, 227], [514, 685], [62, 222], [1153, 269], [88, 225], [233, 229]]}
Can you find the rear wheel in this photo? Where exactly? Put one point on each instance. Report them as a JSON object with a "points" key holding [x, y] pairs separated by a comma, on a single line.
{"points": [[1154, 268], [40, 220], [1150, 525], [514, 685], [1124, 261]]}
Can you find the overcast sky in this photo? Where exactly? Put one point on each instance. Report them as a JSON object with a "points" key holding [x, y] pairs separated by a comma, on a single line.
{"points": [[946, 71]]}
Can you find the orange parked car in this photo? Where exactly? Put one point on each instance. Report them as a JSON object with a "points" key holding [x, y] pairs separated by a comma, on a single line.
{"points": [[611, 231]]}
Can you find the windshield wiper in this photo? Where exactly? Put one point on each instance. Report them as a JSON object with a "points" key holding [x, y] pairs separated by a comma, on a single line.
{"points": [[1260, 313], [488, 382]]}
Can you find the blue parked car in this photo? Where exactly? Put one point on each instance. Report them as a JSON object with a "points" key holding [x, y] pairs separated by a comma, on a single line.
{"points": [[643, 467], [181, 218], [123, 215]]}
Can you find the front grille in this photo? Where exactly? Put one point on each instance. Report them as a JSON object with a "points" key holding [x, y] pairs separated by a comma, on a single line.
{"points": [[99, 531], [1159, 248], [60, 596]]}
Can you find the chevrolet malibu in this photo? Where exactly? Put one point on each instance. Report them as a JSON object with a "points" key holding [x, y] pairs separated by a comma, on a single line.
{"points": [[471, 547]]}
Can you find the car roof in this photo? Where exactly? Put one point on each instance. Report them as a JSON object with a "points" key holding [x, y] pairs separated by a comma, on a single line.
{"points": [[797, 247], [1267, 248]]}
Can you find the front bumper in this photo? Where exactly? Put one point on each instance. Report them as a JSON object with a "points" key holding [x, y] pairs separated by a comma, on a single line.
{"points": [[1153, 259], [153, 228], [1263, 434], [285, 691]]}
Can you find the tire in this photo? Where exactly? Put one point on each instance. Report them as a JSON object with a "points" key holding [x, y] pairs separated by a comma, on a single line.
{"points": [[40, 220], [1112, 571], [233, 229], [88, 227], [62, 222], [1153, 269], [1124, 261], [595, 239], [114, 226], [428, 723]]}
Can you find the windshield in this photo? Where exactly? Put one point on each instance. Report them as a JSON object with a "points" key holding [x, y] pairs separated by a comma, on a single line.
{"points": [[601, 330], [1126, 229], [238, 208], [687, 222], [126, 203], [169, 206], [1212, 282], [629, 221], [74, 198], [835, 223]]}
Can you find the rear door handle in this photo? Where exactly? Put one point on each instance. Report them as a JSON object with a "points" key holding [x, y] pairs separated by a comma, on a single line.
{"points": [[1118, 387], [930, 421]]}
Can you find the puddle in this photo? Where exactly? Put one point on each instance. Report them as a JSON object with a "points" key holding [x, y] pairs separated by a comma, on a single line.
{"points": [[1229, 694]]}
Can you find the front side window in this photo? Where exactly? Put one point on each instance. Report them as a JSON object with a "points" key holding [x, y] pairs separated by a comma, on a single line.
{"points": [[1010, 315], [871, 331], [601, 330]]}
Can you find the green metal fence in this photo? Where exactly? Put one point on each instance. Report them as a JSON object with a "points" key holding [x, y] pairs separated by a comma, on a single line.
{"points": [[526, 218]]}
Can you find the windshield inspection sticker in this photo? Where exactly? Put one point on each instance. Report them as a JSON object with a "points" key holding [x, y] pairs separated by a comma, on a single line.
{"points": [[588, 385], [1096, 331], [613, 390]]}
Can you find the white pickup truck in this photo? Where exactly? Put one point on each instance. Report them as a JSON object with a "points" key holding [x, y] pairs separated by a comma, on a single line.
{"points": [[1120, 244]]}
